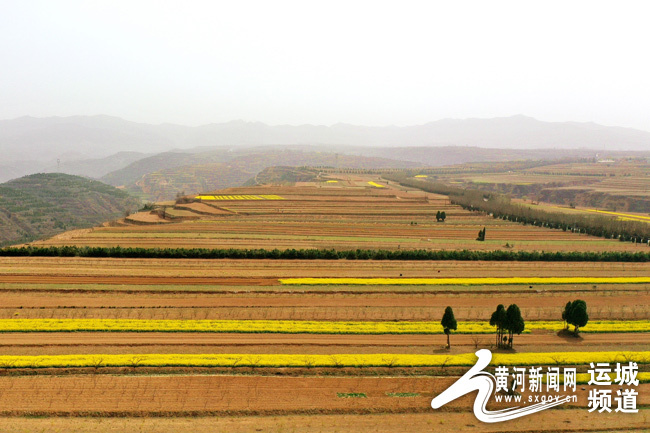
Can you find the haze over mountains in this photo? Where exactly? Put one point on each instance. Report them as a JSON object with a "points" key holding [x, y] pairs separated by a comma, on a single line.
{"points": [[95, 146]]}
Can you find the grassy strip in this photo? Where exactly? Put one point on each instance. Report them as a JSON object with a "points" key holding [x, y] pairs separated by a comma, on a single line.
{"points": [[299, 360], [321, 254], [294, 326], [351, 395]]}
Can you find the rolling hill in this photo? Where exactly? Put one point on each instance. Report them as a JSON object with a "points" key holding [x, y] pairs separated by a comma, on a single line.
{"points": [[42, 205], [194, 173]]}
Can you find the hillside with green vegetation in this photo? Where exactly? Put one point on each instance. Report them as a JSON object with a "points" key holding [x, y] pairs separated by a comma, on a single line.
{"points": [[42, 205]]}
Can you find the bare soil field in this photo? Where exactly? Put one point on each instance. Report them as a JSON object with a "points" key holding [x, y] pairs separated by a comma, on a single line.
{"points": [[561, 420], [123, 271], [180, 394], [88, 342], [313, 306]]}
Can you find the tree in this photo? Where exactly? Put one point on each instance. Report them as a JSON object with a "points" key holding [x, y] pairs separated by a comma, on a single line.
{"points": [[448, 322], [514, 322], [481, 235], [443, 216], [575, 313], [438, 216], [498, 319]]}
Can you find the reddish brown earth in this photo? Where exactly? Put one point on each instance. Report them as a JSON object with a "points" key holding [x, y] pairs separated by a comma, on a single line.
{"points": [[295, 306], [447, 422], [142, 300], [227, 394], [149, 280], [124, 342]]}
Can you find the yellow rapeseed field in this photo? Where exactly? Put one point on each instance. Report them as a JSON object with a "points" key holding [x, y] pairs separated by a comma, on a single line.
{"points": [[625, 215], [240, 197], [243, 326], [294, 327], [462, 281], [376, 185], [300, 360]]}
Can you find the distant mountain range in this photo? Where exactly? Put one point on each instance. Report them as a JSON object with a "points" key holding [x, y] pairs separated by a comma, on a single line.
{"points": [[95, 146]]}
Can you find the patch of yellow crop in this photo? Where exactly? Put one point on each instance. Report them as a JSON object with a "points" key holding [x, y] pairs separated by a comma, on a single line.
{"points": [[301, 360], [239, 197], [462, 281], [294, 326], [376, 185], [242, 326], [421, 175], [595, 326], [624, 215], [332, 181]]}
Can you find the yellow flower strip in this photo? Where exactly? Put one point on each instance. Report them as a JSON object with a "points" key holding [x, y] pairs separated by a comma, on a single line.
{"points": [[243, 326], [462, 281], [300, 360], [240, 197], [376, 185], [294, 327], [627, 215]]}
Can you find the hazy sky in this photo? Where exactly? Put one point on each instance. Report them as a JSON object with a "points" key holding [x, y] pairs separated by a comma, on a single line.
{"points": [[370, 63]]}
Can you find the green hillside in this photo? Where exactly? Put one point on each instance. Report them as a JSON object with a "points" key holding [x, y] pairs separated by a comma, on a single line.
{"points": [[42, 205]]}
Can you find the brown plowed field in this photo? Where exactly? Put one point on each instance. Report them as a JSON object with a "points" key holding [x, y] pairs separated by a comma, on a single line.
{"points": [[68, 267], [149, 280], [449, 422], [46, 300], [224, 394], [551, 311], [88, 342], [41, 300]]}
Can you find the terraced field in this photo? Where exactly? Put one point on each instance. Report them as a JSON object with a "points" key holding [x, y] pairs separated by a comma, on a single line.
{"points": [[345, 216], [294, 345]]}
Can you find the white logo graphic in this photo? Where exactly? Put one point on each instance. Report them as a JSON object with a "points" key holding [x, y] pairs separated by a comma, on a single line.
{"points": [[478, 380]]}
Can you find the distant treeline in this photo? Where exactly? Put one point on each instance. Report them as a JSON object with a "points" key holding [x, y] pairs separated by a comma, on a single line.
{"points": [[316, 254], [500, 206]]}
